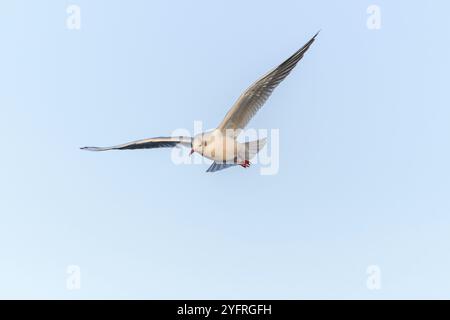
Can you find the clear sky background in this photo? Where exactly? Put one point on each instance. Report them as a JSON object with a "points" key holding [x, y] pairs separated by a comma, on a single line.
{"points": [[364, 173]]}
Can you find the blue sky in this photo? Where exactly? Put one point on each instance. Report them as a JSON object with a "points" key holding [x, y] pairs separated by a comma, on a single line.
{"points": [[364, 173]]}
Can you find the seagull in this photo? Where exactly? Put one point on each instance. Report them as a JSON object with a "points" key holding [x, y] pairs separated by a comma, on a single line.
{"points": [[220, 144]]}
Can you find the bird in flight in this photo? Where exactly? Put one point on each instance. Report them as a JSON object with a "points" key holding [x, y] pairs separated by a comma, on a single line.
{"points": [[220, 144]]}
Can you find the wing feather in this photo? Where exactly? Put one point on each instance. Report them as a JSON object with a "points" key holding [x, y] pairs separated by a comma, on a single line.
{"points": [[215, 166], [151, 143], [257, 94]]}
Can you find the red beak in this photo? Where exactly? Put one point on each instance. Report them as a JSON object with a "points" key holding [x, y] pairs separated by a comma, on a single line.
{"points": [[192, 151]]}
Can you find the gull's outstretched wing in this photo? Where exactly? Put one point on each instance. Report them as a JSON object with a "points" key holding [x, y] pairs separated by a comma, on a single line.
{"points": [[257, 94], [151, 143]]}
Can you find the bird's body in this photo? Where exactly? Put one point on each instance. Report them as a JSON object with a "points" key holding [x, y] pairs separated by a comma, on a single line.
{"points": [[224, 148], [221, 145], [216, 146]]}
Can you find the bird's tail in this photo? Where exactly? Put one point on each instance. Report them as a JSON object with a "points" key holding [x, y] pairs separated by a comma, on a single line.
{"points": [[253, 147]]}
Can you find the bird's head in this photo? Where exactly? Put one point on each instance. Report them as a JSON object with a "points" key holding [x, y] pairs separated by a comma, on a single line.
{"points": [[199, 143], [196, 145]]}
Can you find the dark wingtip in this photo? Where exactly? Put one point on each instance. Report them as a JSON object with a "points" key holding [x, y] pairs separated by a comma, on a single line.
{"points": [[91, 148], [317, 33]]}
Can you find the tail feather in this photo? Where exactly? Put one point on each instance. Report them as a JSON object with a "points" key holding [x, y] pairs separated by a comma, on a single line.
{"points": [[253, 147]]}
